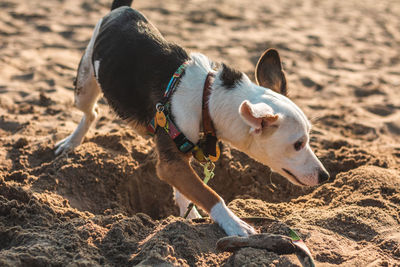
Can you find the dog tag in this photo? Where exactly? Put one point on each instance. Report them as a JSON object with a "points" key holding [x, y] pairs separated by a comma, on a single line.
{"points": [[210, 147], [217, 154], [160, 118]]}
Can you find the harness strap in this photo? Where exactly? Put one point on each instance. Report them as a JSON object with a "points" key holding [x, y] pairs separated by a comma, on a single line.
{"points": [[209, 144], [172, 84], [208, 126]]}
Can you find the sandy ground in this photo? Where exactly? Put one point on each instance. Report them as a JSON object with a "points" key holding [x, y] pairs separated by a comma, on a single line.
{"points": [[103, 204]]}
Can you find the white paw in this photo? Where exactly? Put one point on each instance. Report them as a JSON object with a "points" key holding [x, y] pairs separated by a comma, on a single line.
{"points": [[66, 145], [228, 221], [237, 227]]}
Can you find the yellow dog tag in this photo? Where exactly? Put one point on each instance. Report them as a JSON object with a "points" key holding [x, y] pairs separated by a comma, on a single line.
{"points": [[218, 154], [160, 119]]}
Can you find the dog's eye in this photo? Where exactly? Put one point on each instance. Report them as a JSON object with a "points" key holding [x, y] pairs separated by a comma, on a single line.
{"points": [[298, 145]]}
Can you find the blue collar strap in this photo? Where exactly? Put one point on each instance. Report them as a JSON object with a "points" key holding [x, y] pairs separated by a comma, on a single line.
{"points": [[163, 118]]}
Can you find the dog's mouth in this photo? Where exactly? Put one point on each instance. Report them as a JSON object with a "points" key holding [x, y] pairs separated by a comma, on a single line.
{"points": [[294, 177]]}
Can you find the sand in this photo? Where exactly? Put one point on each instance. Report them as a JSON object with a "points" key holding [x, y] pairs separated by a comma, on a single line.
{"points": [[102, 204]]}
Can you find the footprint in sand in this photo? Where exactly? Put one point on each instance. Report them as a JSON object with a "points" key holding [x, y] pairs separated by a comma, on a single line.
{"points": [[307, 82], [10, 126], [358, 130], [393, 127], [368, 89], [381, 110]]}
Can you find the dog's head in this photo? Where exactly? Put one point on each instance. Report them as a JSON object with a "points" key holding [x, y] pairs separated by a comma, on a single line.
{"points": [[279, 130]]}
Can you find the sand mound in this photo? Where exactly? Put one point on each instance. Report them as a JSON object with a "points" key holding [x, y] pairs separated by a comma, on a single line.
{"points": [[88, 207], [102, 204]]}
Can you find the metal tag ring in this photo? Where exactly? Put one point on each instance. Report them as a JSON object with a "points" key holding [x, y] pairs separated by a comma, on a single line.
{"points": [[159, 107]]}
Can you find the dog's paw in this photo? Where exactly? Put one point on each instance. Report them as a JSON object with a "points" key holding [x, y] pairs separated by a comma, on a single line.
{"points": [[66, 145], [228, 221], [237, 227], [194, 214]]}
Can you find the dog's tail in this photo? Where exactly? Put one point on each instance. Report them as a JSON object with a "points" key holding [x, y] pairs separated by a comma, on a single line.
{"points": [[119, 3]]}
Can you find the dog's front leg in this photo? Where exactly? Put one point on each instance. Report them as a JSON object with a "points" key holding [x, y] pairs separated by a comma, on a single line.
{"points": [[174, 168]]}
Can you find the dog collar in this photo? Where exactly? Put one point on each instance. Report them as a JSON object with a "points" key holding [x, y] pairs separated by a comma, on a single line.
{"points": [[209, 143], [207, 148], [163, 119]]}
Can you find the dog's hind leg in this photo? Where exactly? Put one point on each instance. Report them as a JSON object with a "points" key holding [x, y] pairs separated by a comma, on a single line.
{"points": [[85, 100], [87, 92]]}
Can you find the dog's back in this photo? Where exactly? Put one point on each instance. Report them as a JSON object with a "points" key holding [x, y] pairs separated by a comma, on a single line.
{"points": [[133, 63]]}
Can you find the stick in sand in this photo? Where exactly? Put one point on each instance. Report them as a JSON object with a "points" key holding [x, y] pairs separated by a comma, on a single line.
{"points": [[278, 244]]}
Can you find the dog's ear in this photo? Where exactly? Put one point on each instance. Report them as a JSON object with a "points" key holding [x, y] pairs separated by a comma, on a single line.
{"points": [[269, 72], [257, 116]]}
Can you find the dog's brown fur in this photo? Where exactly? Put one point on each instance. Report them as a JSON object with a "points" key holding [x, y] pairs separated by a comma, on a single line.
{"points": [[174, 168]]}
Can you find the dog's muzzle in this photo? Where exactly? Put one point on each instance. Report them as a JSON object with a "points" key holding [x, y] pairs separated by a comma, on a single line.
{"points": [[323, 176], [293, 176]]}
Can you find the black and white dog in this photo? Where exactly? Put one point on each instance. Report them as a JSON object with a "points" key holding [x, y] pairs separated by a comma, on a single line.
{"points": [[129, 61]]}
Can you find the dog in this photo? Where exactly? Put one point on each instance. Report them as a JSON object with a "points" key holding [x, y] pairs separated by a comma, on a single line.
{"points": [[130, 62]]}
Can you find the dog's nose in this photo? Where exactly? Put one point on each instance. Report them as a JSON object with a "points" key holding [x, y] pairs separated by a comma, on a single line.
{"points": [[323, 176]]}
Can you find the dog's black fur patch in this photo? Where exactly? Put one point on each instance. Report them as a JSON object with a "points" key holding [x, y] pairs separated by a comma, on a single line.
{"points": [[230, 77], [119, 3], [136, 63]]}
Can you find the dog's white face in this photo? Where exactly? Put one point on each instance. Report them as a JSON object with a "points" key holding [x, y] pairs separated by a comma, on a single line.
{"points": [[280, 139], [279, 130]]}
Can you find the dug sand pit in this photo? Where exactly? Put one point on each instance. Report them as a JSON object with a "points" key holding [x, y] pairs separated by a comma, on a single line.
{"points": [[103, 205]]}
